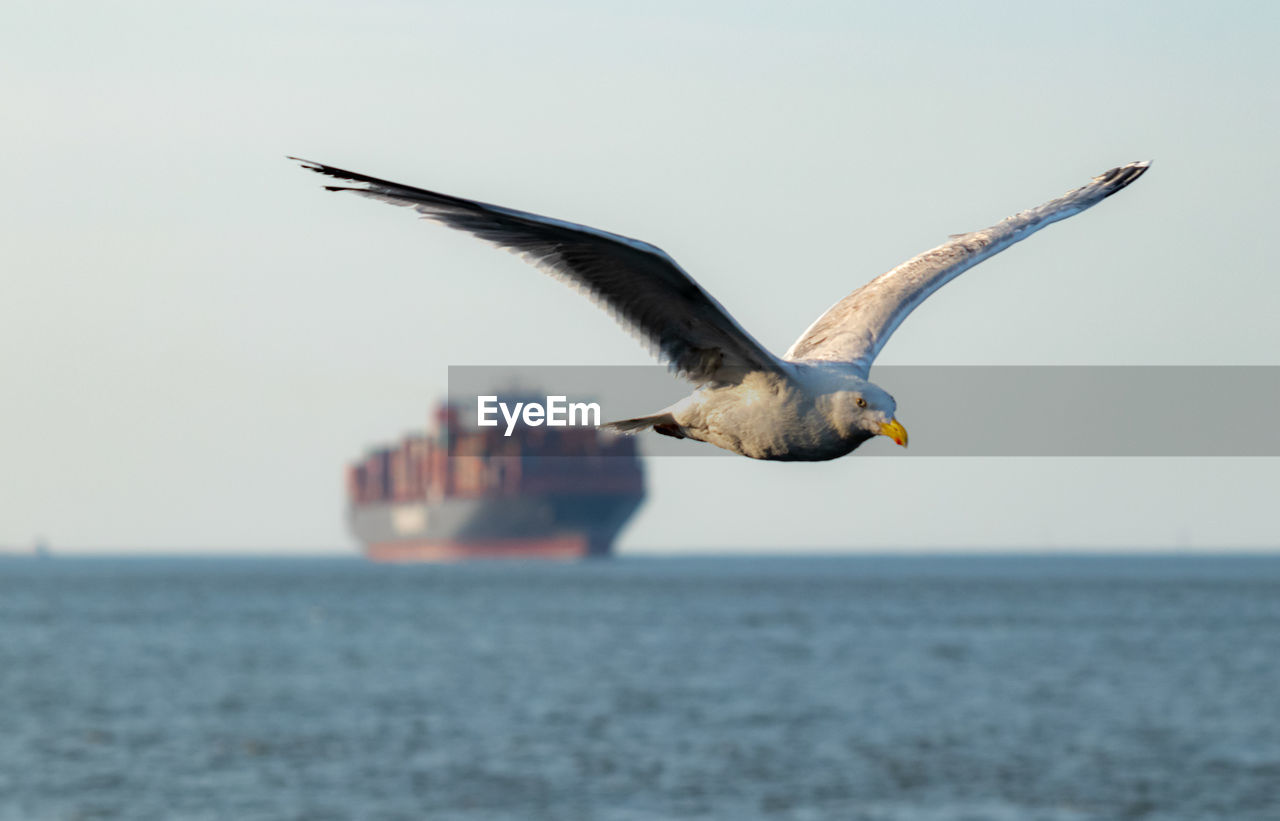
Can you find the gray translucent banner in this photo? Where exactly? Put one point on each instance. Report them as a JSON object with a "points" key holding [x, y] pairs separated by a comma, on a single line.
{"points": [[948, 410]]}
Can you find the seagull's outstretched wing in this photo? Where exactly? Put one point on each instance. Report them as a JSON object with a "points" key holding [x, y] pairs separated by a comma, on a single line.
{"points": [[642, 287], [856, 328]]}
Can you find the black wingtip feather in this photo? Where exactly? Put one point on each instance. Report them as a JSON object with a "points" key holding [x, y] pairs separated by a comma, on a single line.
{"points": [[343, 174], [1123, 175]]}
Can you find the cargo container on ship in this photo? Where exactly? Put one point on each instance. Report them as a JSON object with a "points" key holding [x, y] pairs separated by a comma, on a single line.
{"points": [[460, 493]]}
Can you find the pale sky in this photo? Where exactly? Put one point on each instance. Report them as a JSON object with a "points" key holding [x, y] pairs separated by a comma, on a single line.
{"points": [[195, 338]]}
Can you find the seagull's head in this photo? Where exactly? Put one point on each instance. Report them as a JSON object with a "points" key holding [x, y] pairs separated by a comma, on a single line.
{"points": [[868, 410]]}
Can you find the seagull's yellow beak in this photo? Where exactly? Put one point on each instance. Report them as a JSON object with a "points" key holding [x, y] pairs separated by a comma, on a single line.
{"points": [[895, 431]]}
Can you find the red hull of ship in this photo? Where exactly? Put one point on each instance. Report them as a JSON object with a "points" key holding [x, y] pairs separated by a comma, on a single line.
{"points": [[553, 547]]}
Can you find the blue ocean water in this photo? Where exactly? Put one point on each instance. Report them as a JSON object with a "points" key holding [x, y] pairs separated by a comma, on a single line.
{"points": [[810, 688]]}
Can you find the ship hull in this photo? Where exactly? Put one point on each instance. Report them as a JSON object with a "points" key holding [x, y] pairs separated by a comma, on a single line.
{"points": [[563, 548], [560, 526]]}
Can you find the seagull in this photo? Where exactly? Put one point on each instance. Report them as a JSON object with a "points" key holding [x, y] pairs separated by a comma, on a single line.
{"points": [[813, 403]]}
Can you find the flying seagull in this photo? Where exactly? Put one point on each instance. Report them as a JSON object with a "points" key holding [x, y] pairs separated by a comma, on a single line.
{"points": [[813, 403]]}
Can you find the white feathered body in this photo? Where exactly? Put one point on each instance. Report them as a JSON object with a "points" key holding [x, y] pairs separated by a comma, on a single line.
{"points": [[808, 413]]}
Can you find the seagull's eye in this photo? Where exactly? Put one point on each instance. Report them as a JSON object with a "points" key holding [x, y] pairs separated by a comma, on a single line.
{"points": [[862, 403]]}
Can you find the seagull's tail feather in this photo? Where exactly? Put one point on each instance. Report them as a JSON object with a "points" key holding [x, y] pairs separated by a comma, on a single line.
{"points": [[663, 423]]}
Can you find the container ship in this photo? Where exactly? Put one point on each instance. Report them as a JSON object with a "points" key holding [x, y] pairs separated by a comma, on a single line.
{"points": [[456, 493]]}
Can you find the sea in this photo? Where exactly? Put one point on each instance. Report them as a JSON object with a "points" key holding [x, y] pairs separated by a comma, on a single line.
{"points": [[889, 688]]}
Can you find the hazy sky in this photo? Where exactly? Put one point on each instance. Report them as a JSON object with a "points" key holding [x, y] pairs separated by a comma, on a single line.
{"points": [[195, 338]]}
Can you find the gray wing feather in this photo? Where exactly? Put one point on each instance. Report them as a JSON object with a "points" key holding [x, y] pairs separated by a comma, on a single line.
{"points": [[857, 327], [642, 287]]}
